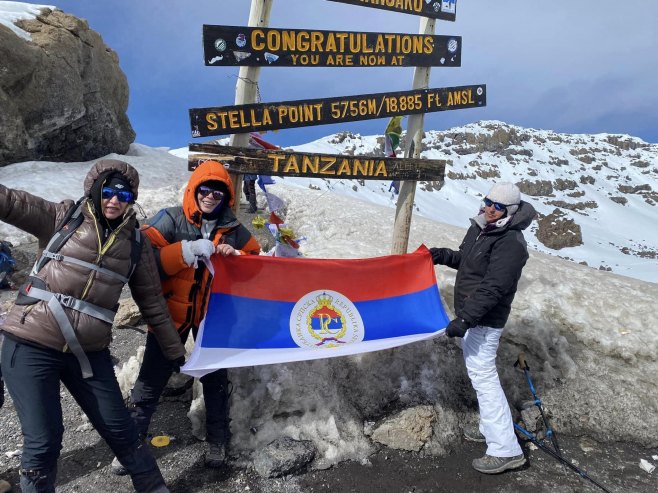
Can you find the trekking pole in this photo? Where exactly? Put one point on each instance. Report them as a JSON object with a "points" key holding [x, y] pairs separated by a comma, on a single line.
{"points": [[521, 363], [555, 455]]}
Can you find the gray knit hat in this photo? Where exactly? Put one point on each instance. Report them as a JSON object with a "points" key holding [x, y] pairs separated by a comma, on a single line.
{"points": [[506, 193]]}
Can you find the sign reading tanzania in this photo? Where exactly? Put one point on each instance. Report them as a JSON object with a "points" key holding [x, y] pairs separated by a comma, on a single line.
{"points": [[305, 113], [256, 46], [435, 9], [284, 163]]}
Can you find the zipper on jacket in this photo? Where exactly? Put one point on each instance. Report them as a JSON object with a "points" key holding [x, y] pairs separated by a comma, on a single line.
{"points": [[102, 249]]}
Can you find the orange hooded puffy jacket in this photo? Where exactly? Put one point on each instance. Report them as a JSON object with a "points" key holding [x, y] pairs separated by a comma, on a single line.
{"points": [[187, 289]]}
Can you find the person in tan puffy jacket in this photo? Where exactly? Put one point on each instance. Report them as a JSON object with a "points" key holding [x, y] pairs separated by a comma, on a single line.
{"points": [[60, 328]]}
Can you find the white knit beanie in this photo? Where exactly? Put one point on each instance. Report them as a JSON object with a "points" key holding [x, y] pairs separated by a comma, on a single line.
{"points": [[506, 193]]}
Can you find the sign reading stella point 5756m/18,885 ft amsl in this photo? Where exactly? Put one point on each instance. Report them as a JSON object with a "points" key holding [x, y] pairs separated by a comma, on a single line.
{"points": [[305, 113]]}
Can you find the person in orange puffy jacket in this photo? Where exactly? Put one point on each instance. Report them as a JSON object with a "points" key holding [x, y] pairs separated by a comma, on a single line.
{"points": [[202, 227]]}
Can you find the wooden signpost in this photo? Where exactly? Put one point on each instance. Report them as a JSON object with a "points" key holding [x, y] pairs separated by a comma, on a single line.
{"points": [[285, 163], [274, 47], [305, 113], [434, 9], [246, 89], [258, 45]]}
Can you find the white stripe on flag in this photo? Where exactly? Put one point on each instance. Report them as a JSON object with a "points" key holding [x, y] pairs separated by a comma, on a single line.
{"points": [[206, 360]]}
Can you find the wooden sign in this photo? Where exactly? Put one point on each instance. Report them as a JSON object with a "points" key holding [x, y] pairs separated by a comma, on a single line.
{"points": [[264, 46], [305, 113], [435, 9], [287, 163]]}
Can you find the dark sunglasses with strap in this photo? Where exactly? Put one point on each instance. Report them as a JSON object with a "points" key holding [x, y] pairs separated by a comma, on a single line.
{"points": [[497, 205], [122, 195], [204, 191]]}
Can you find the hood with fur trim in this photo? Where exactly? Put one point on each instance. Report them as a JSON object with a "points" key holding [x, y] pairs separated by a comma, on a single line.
{"points": [[107, 167], [206, 171]]}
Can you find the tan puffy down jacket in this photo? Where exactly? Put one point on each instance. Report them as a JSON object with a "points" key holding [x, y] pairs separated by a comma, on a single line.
{"points": [[39, 217]]}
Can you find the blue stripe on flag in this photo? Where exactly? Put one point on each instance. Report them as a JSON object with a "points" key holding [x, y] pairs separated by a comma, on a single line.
{"points": [[264, 324]]}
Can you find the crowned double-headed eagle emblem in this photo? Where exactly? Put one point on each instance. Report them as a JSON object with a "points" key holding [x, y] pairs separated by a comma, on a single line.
{"points": [[325, 322], [325, 319]]}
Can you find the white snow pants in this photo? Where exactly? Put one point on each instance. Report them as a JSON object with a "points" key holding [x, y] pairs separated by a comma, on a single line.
{"points": [[479, 347]]}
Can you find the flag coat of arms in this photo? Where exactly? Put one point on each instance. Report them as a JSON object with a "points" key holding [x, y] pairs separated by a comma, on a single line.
{"points": [[266, 310]]}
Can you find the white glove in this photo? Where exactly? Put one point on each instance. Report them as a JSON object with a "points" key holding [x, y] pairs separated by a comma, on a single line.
{"points": [[197, 248]]}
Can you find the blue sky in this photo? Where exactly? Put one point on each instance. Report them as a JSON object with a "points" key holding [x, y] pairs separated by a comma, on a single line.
{"points": [[585, 66]]}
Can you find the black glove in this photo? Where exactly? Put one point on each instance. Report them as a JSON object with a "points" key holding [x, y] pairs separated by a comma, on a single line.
{"points": [[177, 363], [438, 256], [457, 328]]}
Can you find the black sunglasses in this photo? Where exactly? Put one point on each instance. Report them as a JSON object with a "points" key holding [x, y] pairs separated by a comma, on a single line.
{"points": [[497, 205], [205, 191], [122, 195]]}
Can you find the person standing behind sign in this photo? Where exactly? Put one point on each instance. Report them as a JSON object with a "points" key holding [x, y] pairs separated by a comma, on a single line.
{"points": [[59, 329], [489, 264], [249, 189], [203, 226]]}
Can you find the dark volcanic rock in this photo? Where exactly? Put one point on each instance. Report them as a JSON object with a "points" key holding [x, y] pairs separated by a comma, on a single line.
{"points": [[63, 95]]}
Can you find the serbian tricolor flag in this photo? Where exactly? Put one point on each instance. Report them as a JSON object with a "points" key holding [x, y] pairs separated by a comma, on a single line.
{"points": [[266, 310]]}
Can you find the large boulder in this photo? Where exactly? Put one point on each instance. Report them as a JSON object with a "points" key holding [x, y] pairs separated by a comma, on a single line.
{"points": [[62, 93]]}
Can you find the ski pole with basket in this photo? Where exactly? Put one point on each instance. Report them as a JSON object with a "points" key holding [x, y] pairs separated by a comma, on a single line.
{"points": [[549, 434]]}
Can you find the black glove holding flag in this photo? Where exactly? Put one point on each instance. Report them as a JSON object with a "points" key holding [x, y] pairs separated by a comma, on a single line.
{"points": [[457, 328], [438, 256]]}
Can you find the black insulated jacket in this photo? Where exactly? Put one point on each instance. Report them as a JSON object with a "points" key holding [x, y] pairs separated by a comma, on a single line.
{"points": [[489, 264]]}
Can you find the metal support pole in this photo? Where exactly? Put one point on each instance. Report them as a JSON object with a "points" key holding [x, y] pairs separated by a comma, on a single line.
{"points": [[246, 89], [413, 144]]}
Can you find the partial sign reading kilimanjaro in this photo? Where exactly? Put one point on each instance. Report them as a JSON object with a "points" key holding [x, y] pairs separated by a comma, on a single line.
{"points": [[264, 46], [435, 9], [305, 113]]}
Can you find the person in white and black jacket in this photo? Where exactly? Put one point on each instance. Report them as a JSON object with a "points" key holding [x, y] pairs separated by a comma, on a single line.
{"points": [[489, 264]]}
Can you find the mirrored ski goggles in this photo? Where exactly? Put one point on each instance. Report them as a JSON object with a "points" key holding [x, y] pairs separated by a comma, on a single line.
{"points": [[122, 195], [205, 191], [497, 205]]}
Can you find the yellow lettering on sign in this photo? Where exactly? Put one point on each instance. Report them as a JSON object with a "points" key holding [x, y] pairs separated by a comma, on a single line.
{"points": [[331, 42], [429, 45], [233, 118], [256, 39], [344, 168], [277, 158], [291, 164], [460, 97], [328, 163], [310, 165], [211, 118], [381, 169], [360, 167], [267, 118], [433, 99], [316, 41]]}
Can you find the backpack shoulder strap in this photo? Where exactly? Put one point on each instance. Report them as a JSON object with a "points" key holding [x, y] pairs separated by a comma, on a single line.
{"points": [[63, 231], [135, 249]]}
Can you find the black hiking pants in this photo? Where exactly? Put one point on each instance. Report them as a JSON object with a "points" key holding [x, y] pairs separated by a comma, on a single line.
{"points": [[153, 377], [33, 375]]}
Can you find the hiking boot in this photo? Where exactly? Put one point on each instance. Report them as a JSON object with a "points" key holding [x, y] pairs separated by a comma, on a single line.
{"points": [[216, 455], [494, 465], [472, 433], [117, 469]]}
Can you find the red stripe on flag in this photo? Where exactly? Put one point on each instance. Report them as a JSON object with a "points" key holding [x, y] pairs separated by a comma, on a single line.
{"points": [[288, 279]]}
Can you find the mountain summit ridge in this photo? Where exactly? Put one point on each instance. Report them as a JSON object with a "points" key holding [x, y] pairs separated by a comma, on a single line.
{"points": [[596, 195]]}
